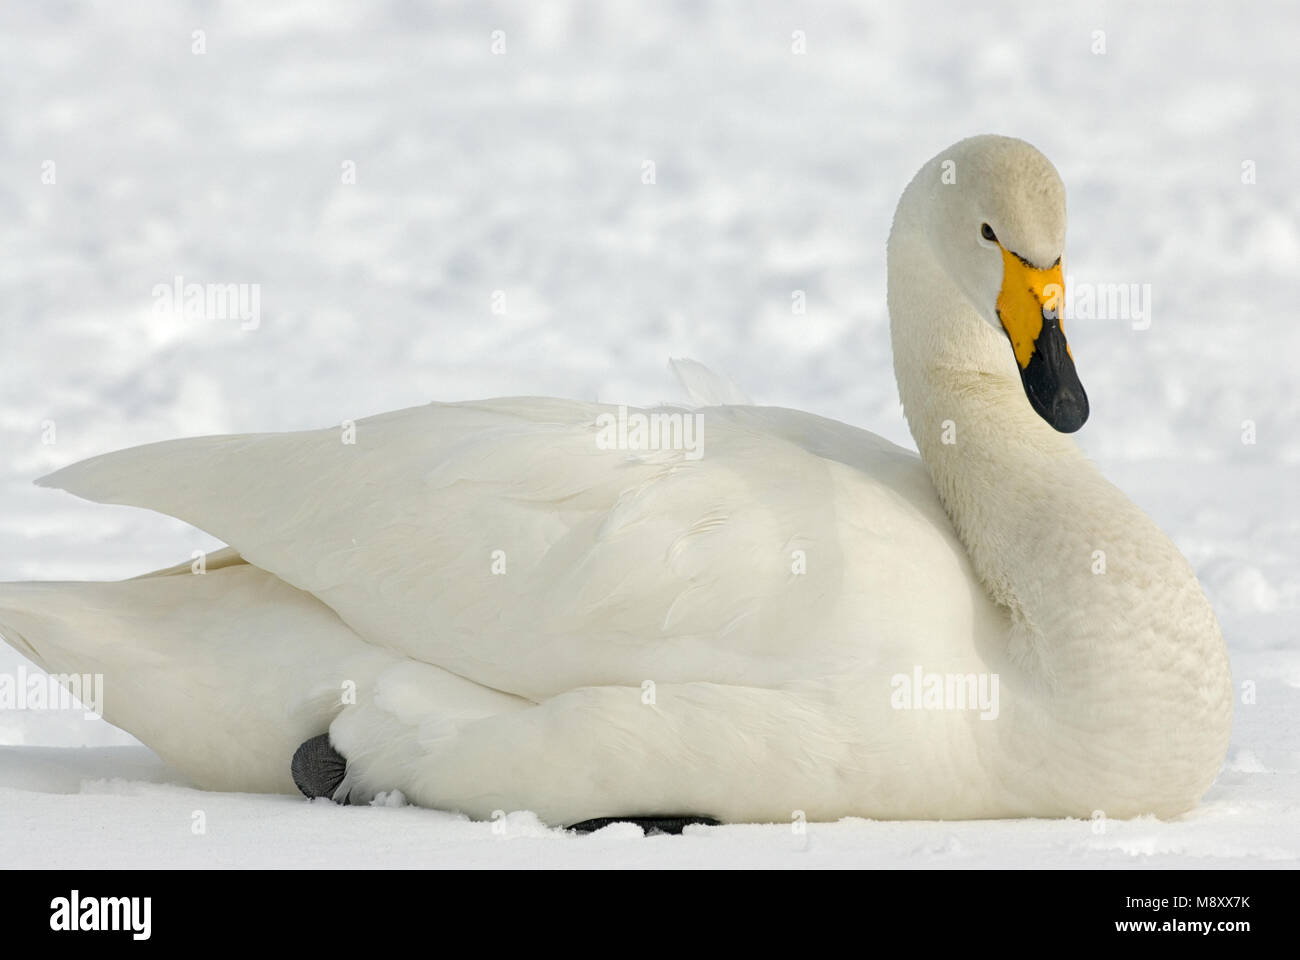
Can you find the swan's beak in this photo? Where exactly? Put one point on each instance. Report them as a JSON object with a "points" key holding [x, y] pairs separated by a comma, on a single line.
{"points": [[1029, 307]]}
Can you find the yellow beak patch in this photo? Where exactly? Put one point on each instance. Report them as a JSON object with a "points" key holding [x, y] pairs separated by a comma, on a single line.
{"points": [[1026, 293]]}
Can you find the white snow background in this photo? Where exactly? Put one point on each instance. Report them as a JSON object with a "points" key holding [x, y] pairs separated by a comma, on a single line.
{"points": [[522, 172]]}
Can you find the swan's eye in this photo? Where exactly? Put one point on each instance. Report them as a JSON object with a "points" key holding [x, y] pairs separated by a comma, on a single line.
{"points": [[987, 233]]}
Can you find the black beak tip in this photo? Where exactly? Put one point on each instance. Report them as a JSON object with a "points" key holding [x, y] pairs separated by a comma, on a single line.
{"points": [[1069, 410], [1063, 405]]}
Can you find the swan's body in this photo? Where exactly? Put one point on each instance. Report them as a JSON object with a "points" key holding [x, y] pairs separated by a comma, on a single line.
{"points": [[532, 621]]}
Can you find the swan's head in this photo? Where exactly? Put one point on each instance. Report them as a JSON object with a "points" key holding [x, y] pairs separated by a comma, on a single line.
{"points": [[996, 221]]}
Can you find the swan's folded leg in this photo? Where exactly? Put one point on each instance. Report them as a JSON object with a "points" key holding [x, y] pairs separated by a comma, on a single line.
{"points": [[384, 735], [730, 752]]}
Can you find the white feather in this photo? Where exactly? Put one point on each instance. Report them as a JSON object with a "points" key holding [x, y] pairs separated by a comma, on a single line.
{"points": [[704, 388]]}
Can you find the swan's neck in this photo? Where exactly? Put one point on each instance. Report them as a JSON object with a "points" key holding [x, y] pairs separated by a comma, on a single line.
{"points": [[1084, 573]]}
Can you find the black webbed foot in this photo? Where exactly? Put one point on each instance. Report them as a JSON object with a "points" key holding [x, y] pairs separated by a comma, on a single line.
{"points": [[650, 825], [318, 768]]}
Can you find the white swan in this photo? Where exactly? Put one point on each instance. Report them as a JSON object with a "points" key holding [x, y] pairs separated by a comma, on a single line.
{"points": [[530, 619]]}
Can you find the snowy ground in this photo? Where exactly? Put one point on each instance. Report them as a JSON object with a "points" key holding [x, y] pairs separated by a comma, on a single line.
{"points": [[522, 172]]}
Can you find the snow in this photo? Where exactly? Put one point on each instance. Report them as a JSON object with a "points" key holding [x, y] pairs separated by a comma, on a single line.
{"points": [[522, 173], [74, 812]]}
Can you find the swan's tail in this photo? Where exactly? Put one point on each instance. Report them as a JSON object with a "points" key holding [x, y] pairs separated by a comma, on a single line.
{"points": [[223, 674]]}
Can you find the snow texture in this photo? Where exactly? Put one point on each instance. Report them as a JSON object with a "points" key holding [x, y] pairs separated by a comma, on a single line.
{"points": [[516, 180]]}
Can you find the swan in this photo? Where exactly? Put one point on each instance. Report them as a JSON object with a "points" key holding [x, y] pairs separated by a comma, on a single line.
{"points": [[522, 604]]}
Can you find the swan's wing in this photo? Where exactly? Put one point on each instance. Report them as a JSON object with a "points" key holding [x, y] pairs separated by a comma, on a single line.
{"points": [[504, 541]]}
